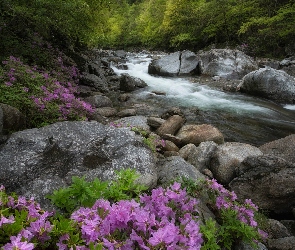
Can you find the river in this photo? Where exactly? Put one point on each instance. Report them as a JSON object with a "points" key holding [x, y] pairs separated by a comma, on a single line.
{"points": [[239, 117]]}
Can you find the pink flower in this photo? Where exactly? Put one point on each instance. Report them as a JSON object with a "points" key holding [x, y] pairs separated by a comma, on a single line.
{"points": [[16, 243]]}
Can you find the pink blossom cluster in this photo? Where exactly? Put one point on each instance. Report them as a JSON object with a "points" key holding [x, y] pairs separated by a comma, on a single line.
{"points": [[58, 92], [166, 219], [227, 200]]}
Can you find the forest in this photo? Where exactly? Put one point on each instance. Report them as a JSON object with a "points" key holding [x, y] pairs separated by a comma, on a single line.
{"points": [[259, 27]]}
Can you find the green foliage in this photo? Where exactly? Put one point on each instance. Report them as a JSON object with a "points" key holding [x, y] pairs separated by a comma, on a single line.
{"points": [[231, 226], [83, 193]]}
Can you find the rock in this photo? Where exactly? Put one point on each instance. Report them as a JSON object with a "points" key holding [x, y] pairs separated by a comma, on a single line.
{"points": [[227, 157], [106, 111], [290, 225], [284, 148], [155, 122], [176, 140], [99, 101], [171, 125], [269, 181], [276, 229], [129, 83], [246, 246], [168, 65], [226, 63], [11, 119], [170, 146], [67, 149], [189, 63], [95, 82], [286, 243], [134, 121], [183, 63], [126, 112], [269, 83], [175, 167], [124, 97], [196, 134], [170, 153], [172, 111], [200, 156]]}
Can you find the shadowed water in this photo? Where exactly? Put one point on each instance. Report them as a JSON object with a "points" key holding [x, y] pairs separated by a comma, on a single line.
{"points": [[239, 117]]}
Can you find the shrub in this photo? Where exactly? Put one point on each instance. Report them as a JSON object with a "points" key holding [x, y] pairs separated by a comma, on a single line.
{"points": [[43, 97]]}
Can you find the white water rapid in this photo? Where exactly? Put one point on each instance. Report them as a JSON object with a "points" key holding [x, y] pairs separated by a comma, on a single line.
{"points": [[239, 112]]}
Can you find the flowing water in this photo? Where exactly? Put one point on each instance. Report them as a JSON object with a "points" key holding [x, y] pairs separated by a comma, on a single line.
{"points": [[239, 117]]}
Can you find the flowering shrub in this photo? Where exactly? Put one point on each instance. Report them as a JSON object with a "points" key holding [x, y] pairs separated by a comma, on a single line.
{"points": [[237, 221], [43, 97], [167, 218]]}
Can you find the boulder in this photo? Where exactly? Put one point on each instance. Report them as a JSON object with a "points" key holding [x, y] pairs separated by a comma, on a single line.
{"points": [[106, 111], [196, 134], [189, 63], [170, 146], [155, 122], [172, 111], [166, 66], [171, 125], [276, 229], [286, 243], [95, 82], [134, 121], [183, 63], [269, 83], [200, 156], [227, 157], [53, 154], [267, 180], [11, 119], [226, 63], [129, 83], [127, 112], [246, 246], [175, 167], [99, 101], [284, 148]]}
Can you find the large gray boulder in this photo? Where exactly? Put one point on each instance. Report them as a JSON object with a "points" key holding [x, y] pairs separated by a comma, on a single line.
{"points": [[267, 180], [183, 63], [227, 157], [171, 168], [269, 83], [129, 83], [226, 63], [284, 148], [95, 82], [37, 161]]}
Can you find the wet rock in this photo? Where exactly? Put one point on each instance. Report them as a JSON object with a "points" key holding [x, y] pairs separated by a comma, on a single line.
{"points": [[166, 66], [189, 63], [172, 111], [269, 83], [129, 83], [196, 134], [124, 97], [226, 63], [227, 157]]}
